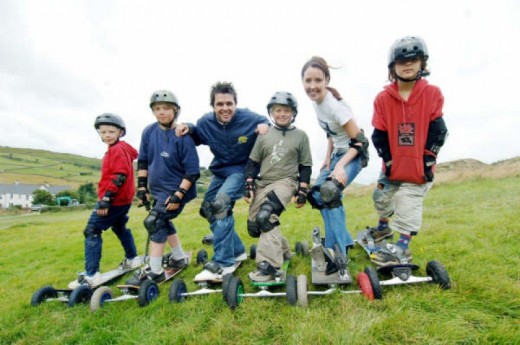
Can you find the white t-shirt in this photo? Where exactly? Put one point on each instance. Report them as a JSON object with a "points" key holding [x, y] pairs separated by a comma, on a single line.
{"points": [[332, 116]]}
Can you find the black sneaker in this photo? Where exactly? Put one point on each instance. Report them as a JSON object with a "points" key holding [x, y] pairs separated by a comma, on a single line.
{"points": [[170, 263], [379, 235], [143, 274], [391, 255]]}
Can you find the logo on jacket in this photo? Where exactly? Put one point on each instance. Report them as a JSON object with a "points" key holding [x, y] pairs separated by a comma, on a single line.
{"points": [[242, 139], [406, 134]]}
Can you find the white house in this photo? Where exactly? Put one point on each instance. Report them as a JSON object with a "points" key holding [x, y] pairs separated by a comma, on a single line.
{"points": [[22, 194]]}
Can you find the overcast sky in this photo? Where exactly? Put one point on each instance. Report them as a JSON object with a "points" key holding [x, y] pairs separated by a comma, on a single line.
{"points": [[62, 63]]}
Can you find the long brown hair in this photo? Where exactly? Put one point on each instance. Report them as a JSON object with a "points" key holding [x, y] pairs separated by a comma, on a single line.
{"points": [[320, 63]]}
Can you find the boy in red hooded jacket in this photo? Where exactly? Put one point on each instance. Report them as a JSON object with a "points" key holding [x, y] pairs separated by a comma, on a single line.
{"points": [[115, 194], [409, 131]]}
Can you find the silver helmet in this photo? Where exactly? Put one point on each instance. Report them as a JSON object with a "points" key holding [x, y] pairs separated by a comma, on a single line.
{"points": [[110, 119], [284, 98], [408, 47], [165, 96]]}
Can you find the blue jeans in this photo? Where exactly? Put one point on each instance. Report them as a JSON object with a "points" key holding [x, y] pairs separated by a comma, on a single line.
{"points": [[336, 230], [226, 243], [117, 218]]}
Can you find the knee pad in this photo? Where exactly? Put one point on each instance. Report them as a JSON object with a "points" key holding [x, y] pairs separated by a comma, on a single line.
{"points": [[330, 192], [312, 200], [205, 210], [273, 205], [221, 206], [150, 222], [253, 229], [91, 231]]}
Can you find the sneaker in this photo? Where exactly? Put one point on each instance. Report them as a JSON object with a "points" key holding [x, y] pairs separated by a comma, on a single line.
{"points": [[211, 271], [129, 264], [78, 281], [95, 280], [379, 235], [266, 272], [92, 281], [241, 257], [391, 255], [145, 273], [169, 262]]}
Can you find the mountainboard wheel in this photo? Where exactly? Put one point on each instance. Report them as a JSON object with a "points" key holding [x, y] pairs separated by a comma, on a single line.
{"points": [[42, 294], [439, 274], [252, 251], [80, 294], [374, 282], [225, 282], [148, 291], [291, 290], [99, 297], [202, 257], [301, 283], [365, 286], [177, 289], [235, 289]]}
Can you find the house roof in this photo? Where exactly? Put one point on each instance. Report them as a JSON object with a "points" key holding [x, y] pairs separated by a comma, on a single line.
{"points": [[28, 189]]}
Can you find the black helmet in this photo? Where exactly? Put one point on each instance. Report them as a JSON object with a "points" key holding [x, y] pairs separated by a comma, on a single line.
{"points": [[283, 98], [408, 47], [165, 96], [110, 119]]}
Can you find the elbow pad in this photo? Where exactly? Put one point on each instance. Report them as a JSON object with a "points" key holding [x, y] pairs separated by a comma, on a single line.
{"points": [[142, 165], [437, 134], [382, 145]]}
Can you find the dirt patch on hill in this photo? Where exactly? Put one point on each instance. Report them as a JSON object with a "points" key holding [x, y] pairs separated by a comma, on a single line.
{"points": [[458, 171]]}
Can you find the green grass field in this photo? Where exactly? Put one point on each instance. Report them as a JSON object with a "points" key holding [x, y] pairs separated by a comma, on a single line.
{"points": [[471, 227]]}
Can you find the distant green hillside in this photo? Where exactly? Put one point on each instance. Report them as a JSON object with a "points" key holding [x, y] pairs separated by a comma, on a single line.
{"points": [[40, 166]]}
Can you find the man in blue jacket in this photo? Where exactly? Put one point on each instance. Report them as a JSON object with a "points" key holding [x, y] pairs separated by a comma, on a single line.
{"points": [[230, 133]]}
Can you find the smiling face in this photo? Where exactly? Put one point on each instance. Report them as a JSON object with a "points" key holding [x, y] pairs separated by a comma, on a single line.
{"points": [[164, 113], [109, 134], [315, 84], [224, 107], [282, 115]]}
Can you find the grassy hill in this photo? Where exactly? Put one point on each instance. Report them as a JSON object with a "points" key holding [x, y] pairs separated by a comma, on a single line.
{"points": [[38, 167], [470, 225]]}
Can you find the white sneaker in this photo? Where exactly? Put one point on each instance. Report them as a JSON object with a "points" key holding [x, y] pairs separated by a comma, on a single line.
{"points": [[77, 282], [207, 275], [228, 270], [241, 257], [131, 263], [95, 280]]}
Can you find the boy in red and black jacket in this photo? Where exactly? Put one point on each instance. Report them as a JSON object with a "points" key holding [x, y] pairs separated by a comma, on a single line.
{"points": [[409, 131], [116, 191]]}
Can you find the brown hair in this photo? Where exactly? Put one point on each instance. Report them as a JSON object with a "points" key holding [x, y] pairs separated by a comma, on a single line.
{"points": [[222, 87], [391, 69], [320, 63]]}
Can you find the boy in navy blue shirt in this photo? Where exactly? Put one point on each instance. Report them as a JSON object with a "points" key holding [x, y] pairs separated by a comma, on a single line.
{"points": [[167, 167]]}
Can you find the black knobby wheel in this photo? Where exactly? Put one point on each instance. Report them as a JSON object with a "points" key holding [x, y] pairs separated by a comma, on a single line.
{"points": [[291, 289], [298, 248], [148, 291], [177, 291], [81, 294], [202, 257], [439, 274], [252, 251], [235, 289], [225, 282], [374, 281], [42, 294]]}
